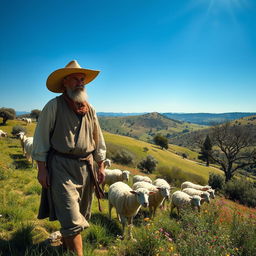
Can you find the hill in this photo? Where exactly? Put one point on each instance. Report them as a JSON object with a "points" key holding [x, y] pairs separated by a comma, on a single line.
{"points": [[207, 118], [145, 127], [22, 233]]}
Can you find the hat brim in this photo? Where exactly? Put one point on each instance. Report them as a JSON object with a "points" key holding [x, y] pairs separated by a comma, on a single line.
{"points": [[55, 80]]}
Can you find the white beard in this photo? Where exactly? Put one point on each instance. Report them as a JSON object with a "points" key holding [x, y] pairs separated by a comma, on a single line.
{"points": [[77, 95]]}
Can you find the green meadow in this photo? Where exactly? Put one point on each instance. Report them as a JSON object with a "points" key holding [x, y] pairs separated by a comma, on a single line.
{"points": [[219, 229]]}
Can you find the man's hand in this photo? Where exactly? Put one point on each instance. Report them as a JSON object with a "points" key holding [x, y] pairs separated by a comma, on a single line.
{"points": [[101, 173], [43, 176]]}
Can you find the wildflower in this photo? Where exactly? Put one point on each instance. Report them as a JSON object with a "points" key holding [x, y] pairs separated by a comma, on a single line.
{"points": [[171, 249], [205, 211], [236, 249], [227, 254], [146, 219]]}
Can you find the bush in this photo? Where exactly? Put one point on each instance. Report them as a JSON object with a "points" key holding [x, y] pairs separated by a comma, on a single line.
{"points": [[17, 128], [176, 176], [242, 191], [216, 181], [149, 164], [123, 157]]}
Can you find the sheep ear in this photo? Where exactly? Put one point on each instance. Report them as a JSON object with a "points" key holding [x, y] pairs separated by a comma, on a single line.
{"points": [[151, 192], [133, 192], [158, 188]]}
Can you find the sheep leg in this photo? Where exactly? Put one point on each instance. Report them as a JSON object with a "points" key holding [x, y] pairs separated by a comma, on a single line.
{"points": [[130, 237]]}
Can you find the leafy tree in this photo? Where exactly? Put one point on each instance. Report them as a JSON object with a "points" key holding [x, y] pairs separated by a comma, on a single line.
{"points": [[7, 114], [206, 149], [161, 141], [149, 164], [35, 113], [235, 148], [184, 155]]}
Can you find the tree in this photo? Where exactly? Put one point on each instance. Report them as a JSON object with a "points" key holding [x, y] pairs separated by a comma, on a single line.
{"points": [[149, 164], [7, 114], [161, 141], [206, 149], [235, 148], [35, 113]]}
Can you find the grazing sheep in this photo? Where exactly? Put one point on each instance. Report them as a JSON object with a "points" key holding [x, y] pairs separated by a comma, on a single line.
{"points": [[127, 202], [112, 176], [188, 184], [28, 146], [211, 192], [22, 138], [182, 200], [155, 199], [3, 134], [107, 163], [138, 178], [203, 194], [27, 120]]}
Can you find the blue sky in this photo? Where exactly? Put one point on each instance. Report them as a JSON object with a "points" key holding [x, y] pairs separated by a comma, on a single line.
{"points": [[154, 55]]}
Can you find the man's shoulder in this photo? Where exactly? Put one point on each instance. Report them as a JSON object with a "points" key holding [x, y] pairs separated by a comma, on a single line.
{"points": [[51, 104]]}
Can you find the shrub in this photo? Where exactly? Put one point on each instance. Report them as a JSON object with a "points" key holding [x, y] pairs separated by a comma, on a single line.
{"points": [[184, 155], [123, 157], [242, 191], [149, 164], [17, 128], [216, 181]]}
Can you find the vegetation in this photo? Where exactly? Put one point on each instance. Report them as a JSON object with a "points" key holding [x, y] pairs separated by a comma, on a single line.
{"points": [[221, 228], [7, 114], [35, 113], [17, 129], [161, 141], [206, 151], [123, 157], [233, 148], [149, 164]]}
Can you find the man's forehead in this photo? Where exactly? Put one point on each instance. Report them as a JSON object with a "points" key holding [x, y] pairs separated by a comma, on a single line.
{"points": [[80, 75]]}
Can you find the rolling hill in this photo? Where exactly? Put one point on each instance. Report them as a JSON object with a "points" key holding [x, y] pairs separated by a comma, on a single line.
{"points": [[145, 127]]}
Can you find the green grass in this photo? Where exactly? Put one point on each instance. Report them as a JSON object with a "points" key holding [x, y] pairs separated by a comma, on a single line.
{"points": [[21, 233]]}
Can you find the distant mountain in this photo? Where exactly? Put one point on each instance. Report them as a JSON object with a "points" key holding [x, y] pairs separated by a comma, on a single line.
{"points": [[207, 118], [19, 113], [118, 114], [145, 127]]}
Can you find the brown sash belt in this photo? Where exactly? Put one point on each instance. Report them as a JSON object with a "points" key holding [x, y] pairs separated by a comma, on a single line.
{"points": [[88, 161]]}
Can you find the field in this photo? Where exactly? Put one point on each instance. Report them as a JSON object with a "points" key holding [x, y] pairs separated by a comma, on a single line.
{"points": [[221, 228]]}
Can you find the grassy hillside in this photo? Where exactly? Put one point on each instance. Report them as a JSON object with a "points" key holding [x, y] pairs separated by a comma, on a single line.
{"points": [[145, 127], [21, 233]]}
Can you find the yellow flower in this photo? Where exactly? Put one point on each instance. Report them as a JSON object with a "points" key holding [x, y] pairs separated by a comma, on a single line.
{"points": [[171, 249], [228, 254], [146, 219], [205, 211], [236, 249]]}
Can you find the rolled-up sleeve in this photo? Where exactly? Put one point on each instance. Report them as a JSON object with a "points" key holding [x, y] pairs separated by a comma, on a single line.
{"points": [[100, 151], [45, 125]]}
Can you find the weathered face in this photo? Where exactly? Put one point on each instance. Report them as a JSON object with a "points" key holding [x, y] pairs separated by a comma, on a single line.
{"points": [[74, 81], [74, 85]]}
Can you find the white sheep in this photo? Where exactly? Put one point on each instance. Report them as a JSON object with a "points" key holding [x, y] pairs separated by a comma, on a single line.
{"points": [[155, 199], [203, 194], [112, 176], [28, 146], [3, 134], [27, 120], [127, 202], [182, 200], [188, 184], [138, 178]]}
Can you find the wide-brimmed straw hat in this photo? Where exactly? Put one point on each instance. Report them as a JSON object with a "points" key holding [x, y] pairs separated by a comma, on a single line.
{"points": [[55, 80]]}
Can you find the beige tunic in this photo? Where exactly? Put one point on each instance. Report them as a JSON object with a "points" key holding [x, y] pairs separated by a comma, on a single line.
{"points": [[71, 190]]}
